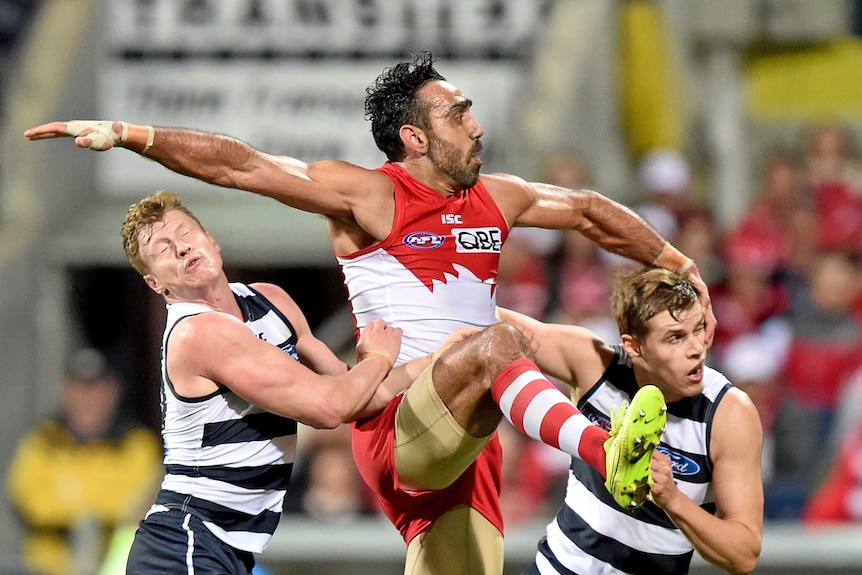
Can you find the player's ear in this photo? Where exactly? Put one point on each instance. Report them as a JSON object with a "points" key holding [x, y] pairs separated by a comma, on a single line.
{"points": [[414, 138], [631, 345], [154, 284]]}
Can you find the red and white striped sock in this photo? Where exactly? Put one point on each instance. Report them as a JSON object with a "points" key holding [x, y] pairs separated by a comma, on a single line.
{"points": [[538, 409]]}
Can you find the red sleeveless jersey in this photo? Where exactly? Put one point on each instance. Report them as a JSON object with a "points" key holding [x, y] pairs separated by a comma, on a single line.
{"points": [[435, 271]]}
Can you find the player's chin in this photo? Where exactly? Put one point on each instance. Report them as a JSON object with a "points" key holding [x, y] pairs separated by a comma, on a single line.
{"points": [[471, 180], [692, 388], [475, 167]]}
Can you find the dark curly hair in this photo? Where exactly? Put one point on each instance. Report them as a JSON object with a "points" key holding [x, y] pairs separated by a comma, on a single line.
{"points": [[391, 102]]}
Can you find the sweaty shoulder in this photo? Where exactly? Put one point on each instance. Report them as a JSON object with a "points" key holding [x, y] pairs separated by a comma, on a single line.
{"points": [[737, 399], [366, 200], [512, 193], [192, 333], [349, 178], [275, 294]]}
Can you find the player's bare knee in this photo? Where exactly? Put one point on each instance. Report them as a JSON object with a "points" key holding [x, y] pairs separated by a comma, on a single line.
{"points": [[507, 344], [488, 352], [479, 359]]}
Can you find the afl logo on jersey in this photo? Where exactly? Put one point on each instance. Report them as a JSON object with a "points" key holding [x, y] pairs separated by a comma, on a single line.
{"points": [[679, 463], [424, 240]]}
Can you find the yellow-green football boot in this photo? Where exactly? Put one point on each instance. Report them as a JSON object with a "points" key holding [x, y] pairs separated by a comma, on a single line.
{"points": [[636, 430]]}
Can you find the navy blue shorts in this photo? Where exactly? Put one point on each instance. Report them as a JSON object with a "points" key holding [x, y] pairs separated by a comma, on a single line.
{"points": [[177, 542]]}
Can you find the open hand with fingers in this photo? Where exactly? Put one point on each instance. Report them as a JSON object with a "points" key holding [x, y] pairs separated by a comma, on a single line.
{"points": [[99, 135]]}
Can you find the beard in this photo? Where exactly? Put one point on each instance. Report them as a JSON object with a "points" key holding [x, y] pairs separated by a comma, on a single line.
{"points": [[449, 160]]}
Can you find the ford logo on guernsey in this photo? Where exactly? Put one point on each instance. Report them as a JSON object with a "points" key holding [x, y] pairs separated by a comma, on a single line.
{"points": [[424, 240], [680, 464]]}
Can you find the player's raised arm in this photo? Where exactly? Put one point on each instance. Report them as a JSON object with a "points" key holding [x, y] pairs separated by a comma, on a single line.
{"points": [[610, 224], [327, 188]]}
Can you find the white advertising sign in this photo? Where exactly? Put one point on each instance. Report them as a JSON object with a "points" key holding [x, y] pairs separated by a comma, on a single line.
{"points": [[286, 108], [289, 76], [464, 28]]}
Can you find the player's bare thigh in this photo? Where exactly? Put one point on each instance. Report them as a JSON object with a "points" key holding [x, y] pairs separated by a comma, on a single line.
{"points": [[431, 449]]}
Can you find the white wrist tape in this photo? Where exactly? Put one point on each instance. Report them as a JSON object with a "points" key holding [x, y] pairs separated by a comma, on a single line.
{"points": [[101, 133], [151, 135], [686, 266]]}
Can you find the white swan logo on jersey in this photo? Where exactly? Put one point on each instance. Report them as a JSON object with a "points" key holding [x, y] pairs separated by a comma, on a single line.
{"points": [[679, 463], [478, 240], [423, 240]]}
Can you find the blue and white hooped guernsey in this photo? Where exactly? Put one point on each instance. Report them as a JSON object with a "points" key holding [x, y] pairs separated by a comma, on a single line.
{"points": [[226, 460], [591, 533]]}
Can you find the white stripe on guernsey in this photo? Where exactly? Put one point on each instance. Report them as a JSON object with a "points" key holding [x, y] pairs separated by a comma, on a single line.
{"points": [[156, 509], [381, 287], [264, 319], [608, 395], [544, 565], [251, 501], [680, 431], [571, 556], [625, 529], [190, 547], [254, 454], [245, 540]]}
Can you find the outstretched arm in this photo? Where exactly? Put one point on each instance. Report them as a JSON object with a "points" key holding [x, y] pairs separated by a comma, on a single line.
{"points": [[324, 187], [732, 537], [610, 224]]}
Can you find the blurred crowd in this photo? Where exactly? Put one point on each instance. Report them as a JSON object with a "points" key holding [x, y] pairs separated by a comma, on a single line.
{"points": [[786, 285], [83, 474]]}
